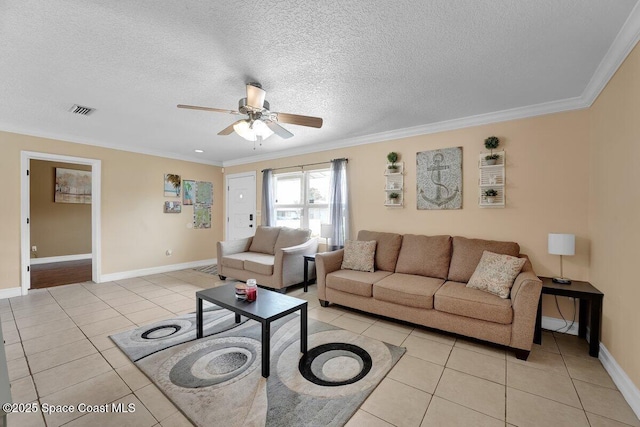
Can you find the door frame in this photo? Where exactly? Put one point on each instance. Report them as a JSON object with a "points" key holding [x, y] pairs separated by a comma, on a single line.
{"points": [[226, 201], [25, 212]]}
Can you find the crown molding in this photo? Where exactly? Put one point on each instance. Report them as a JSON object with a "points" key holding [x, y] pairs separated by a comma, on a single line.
{"points": [[622, 45], [4, 127], [447, 125]]}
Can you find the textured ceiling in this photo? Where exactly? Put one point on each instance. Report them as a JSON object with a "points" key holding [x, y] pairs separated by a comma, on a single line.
{"points": [[365, 67]]}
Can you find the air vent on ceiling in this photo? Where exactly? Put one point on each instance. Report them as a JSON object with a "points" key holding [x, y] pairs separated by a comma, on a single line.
{"points": [[79, 109]]}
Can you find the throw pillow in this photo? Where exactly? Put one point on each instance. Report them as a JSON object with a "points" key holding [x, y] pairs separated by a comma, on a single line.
{"points": [[495, 273], [359, 255]]}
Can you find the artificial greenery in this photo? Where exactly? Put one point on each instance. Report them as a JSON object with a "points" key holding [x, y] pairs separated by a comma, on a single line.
{"points": [[490, 193], [492, 157], [392, 157], [394, 196]]}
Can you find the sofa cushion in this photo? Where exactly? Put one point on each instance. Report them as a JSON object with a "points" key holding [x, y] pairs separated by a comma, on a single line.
{"points": [[456, 298], [234, 261], [265, 240], [258, 267], [495, 273], [388, 248], [354, 282], [425, 255], [291, 237], [467, 253], [407, 289], [359, 255]]}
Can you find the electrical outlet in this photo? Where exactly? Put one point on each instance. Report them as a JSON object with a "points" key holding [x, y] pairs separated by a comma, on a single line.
{"points": [[34, 248], [169, 252]]}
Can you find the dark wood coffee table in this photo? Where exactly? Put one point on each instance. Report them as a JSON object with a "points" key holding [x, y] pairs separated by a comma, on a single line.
{"points": [[267, 307]]}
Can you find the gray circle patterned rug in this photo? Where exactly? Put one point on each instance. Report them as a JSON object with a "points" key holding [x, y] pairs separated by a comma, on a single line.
{"points": [[217, 380]]}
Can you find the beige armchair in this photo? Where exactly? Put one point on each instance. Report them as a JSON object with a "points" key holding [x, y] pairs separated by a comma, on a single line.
{"points": [[274, 256]]}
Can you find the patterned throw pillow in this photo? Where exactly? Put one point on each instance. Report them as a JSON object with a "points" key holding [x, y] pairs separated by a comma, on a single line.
{"points": [[495, 273], [359, 255]]}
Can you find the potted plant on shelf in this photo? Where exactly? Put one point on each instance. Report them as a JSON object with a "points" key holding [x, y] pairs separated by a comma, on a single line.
{"points": [[394, 198], [392, 157], [490, 195], [490, 144]]}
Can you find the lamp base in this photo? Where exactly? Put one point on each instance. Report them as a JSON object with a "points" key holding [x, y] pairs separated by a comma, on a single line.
{"points": [[561, 280]]}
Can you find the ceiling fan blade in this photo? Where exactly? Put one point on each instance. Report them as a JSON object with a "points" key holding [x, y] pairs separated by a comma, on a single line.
{"points": [[217, 110], [279, 130], [255, 97], [295, 119], [229, 129]]}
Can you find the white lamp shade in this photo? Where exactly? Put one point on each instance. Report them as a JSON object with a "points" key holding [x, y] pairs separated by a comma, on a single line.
{"points": [[326, 230], [562, 244], [251, 131]]}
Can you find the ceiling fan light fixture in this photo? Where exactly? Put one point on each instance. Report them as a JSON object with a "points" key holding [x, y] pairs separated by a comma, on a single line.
{"points": [[251, 131]]}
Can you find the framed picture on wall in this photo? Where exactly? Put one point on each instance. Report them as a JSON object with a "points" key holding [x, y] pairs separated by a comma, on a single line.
{"points": [[188, 192], [439, 179], [172, 207], [72, 186], [172, 184]]}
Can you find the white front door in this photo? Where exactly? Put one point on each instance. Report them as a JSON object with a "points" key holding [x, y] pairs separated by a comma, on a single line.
{"points": [[241, 205]]}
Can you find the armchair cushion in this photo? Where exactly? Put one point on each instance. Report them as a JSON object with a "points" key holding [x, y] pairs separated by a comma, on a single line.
{"points": [[265, 240], [495, 273], [291, 237], [359, 255]]}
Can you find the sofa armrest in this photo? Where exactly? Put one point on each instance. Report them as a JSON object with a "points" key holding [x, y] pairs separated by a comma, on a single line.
{"points": [[525, 296], [288, 266], [326, 263], [231, 247]]}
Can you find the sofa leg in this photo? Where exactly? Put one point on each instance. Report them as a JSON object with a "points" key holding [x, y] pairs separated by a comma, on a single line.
{"points": [[522, 354], [222, 277], [324, 303]]}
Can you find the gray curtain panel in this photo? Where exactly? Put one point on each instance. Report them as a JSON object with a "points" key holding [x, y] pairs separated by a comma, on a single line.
{"points": [[268, 216], [339, 202]]}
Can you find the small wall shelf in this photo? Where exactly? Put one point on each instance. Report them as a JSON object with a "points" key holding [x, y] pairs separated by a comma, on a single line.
{"points": [[492, 177], [394, 183]]}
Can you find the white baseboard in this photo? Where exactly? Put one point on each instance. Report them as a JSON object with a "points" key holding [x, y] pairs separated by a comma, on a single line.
{"points": [[621, 380], [155, 270], [10, 292], [62, 258], [553, 324]]}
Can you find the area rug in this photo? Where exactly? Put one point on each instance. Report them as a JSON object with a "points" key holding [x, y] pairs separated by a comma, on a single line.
{"points": [[217, 380], [209, 269]]}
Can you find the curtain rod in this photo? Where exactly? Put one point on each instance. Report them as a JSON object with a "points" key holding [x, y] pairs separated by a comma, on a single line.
{"points": [[308, 164]]}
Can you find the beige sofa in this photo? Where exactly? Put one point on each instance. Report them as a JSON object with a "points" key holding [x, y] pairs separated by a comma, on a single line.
{"points": [[274, 256], [422, 280]]}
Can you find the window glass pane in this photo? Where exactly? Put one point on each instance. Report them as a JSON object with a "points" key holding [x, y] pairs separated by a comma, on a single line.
{"points": [[288, 189], [289, 217], [318, 216], [318, 187]]}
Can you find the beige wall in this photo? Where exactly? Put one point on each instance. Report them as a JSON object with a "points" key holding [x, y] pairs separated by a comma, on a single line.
{"points": [[135, 231], [614, 211], [56, 228], [547, 175]]}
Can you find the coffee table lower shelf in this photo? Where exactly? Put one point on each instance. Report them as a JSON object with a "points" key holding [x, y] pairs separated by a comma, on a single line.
{"points": [[269, 306]]}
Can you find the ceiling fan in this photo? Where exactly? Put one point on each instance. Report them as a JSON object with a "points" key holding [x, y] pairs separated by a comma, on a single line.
{"points": [[260, 122]]}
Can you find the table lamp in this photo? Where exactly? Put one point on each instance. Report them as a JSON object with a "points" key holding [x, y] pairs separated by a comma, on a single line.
{"points": [[562, 244], [326, 231]]}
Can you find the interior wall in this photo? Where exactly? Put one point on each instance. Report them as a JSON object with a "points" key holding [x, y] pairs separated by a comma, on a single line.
{"points": [[57, 229], [135, 230], [546, 177], [614, 211]]}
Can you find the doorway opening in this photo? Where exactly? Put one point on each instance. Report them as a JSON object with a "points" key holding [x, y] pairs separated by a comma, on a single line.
{"points": [[241, 205], [57, 259]]}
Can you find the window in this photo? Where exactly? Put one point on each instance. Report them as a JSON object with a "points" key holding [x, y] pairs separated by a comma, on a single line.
{"points": [[302, 199]]}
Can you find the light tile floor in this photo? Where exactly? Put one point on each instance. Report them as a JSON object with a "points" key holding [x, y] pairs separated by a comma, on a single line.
{"points": [[59, 352]]}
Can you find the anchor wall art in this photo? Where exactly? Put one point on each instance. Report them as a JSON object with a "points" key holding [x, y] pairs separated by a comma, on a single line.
{"points": [[439, 178]]}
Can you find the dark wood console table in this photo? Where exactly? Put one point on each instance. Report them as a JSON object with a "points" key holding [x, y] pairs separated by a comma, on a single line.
{"points": [[590, 309]]}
